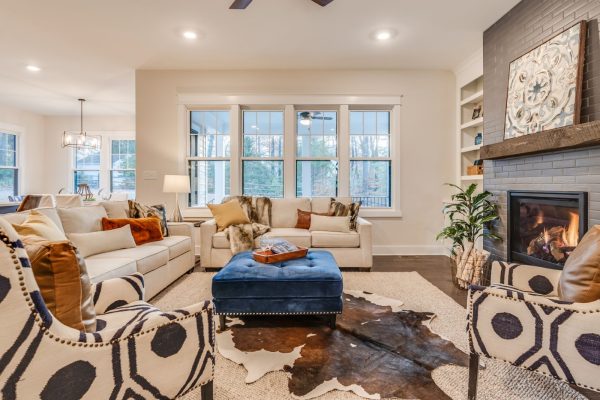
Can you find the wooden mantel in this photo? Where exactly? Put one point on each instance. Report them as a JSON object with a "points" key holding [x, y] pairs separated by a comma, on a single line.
{"points": [[566, 138]]}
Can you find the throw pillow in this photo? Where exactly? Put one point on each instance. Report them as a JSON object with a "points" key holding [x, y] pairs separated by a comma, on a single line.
{"points": [[82, 219], [116, 209], [92, 243], [304, 218], [64, 283], [138, 210], [580, 278], [226, 214], [330, 224], [144, 230], [341, 210], [38, 225]]}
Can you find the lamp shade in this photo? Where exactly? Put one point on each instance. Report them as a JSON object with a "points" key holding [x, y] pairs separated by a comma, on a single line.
{"points": [[176, 184]]}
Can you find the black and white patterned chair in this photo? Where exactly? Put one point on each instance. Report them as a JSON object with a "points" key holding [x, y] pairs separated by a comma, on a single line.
{"points": [[520, 320], [138, 351]]}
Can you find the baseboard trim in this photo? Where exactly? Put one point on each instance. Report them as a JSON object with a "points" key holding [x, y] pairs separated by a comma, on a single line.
{"points": [[423, 250]]}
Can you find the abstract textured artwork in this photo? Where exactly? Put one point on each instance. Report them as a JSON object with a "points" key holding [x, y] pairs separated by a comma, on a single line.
{"points": [[544, 86], [379, 350]]}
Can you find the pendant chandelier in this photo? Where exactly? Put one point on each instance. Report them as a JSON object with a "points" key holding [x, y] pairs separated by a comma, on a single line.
{"points": [[81, 139]]}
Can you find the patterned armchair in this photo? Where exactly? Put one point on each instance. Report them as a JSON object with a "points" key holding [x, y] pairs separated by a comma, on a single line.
{"points": [[138, 351], [520, 320]]}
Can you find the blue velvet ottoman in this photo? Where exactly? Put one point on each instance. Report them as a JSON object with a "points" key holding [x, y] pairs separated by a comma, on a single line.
{"points": [[308, 285]]}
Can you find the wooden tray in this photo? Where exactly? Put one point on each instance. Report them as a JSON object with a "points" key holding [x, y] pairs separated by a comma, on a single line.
{"points": [[268, 257]]}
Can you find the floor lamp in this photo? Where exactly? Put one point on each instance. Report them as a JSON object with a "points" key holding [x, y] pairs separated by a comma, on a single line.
{"points": [[176, 184]]}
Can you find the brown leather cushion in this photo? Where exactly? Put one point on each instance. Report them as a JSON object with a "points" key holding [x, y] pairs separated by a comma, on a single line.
{"points": [[64, 283], [144, 230], [580, 278], [303, 221]]}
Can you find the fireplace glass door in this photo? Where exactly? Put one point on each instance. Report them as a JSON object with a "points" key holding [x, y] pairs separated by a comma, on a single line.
{"points": [[545, 227]]}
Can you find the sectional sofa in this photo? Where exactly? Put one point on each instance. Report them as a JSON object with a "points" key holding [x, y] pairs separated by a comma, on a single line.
{"points": [[160, 262], [351, 250]]}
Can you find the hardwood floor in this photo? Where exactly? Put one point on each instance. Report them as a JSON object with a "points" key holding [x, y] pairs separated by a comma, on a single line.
{"points": [[436, 269]]}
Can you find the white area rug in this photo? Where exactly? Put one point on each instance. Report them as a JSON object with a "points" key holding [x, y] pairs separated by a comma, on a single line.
{"points": [[498, 381]]}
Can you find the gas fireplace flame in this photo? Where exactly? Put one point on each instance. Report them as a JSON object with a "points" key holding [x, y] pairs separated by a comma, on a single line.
{"points": [[539, 219], [570, 234]]}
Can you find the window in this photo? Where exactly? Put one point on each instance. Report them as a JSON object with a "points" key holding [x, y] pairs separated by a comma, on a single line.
{"points": [[370, 162], [9, 172], [87, 168], [209, 157], [122, 172], [262, 158], [316, 153]]}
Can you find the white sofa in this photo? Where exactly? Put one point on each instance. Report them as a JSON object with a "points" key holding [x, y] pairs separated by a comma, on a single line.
{"points": [[160, 262], [351, 250]]}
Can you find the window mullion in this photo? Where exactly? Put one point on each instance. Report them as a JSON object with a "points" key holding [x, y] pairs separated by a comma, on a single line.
{"points": [[344, 152], [235, 129]]}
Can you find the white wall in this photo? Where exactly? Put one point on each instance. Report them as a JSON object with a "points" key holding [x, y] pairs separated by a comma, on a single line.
{"points": [[30, 127], [59, 159], [427, 134]]}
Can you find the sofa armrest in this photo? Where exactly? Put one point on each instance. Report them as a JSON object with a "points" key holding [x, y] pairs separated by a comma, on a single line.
{"points": [[526, 277], [117, 292], [522, 328], [181, 229], [365, 230], [207, 231]]}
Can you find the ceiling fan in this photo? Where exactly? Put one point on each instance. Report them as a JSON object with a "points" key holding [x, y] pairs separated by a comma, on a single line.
{"points": [[306, 117], [242, 4]]}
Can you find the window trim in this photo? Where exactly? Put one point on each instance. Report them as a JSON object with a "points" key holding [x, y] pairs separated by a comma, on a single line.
{"points": [[236, 103], [18, 132]]}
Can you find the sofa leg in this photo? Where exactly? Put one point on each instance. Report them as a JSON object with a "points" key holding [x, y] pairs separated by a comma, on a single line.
{"points": [[206, 391], [222, 323], [473, 375], [331, 320]]}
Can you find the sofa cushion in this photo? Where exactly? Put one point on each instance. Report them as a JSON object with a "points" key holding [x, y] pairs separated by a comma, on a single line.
{"points": [[284, 212], [299, 237], [101, 269], [82, 219], [100, 242], [147, 258], [40, 226], [177, 245], [20, 217], [335, 239]]}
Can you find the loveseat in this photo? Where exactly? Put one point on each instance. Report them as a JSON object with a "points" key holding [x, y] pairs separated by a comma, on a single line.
{"points": [[351, 250], [160, 262]]}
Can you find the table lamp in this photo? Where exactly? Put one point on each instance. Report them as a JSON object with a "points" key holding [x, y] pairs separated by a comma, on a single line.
{"points": [[176, 184]]}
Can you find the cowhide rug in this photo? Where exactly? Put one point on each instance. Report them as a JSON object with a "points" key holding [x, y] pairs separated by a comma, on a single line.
{"points": [[377, 351]]}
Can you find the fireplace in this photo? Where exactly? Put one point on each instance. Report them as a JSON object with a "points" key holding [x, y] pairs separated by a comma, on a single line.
{"points": [[545, 227]]}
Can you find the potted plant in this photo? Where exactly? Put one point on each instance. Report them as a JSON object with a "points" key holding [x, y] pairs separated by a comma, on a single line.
{"points": [[469, 213]]}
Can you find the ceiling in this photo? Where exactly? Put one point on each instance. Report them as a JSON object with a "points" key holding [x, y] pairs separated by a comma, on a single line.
{"points": [[92, 48]]}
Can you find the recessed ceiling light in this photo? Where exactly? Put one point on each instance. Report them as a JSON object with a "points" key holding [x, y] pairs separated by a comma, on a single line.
{"points": [[384, 34], [33, 68], [190, 35]]}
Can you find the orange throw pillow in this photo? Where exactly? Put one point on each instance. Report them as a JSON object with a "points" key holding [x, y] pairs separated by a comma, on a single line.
{"points": [[144, 230]]}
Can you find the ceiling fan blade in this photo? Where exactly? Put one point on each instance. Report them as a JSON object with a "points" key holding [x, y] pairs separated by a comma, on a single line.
{"points": [[322, 3], [240, 4]]}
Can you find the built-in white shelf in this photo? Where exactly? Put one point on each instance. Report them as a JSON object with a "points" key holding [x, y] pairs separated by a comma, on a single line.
{"points": [[469, 149], [471, 178], [473, 99], [473, 123]]}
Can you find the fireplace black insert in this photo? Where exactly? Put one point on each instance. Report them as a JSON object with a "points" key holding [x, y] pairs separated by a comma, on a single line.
{"points": [[544, 227]]}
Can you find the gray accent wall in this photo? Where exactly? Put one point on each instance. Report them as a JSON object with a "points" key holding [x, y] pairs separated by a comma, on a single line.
{"points": [[526, 26]]}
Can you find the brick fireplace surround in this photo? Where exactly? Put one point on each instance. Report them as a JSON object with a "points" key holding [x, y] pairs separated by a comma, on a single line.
{"points": [[527, 25]]}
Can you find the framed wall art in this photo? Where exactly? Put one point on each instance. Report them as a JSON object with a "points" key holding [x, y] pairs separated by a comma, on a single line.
{"points": [[544, 85]]}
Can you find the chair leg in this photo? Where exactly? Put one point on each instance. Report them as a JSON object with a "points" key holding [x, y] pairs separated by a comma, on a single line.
{"points": [[222, 323], [473, 375], [206, 391]]}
